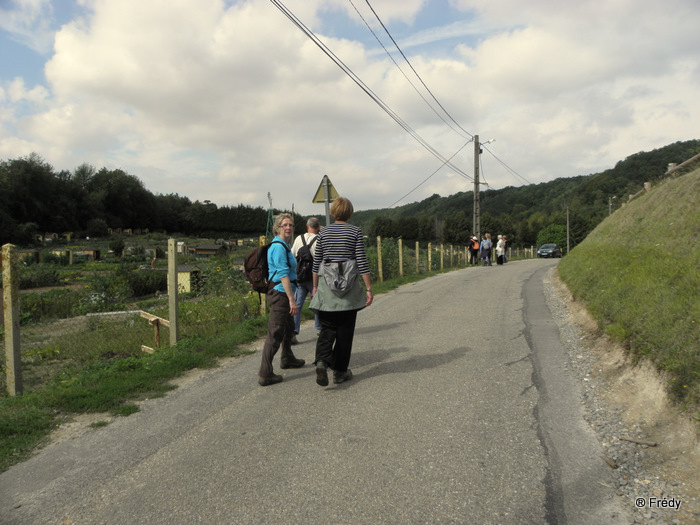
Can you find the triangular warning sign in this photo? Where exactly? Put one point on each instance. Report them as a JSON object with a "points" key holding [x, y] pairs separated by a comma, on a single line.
{"points": [[320, 196]]}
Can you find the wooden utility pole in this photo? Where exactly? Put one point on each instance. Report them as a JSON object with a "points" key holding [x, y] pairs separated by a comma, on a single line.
{"points": [[173, 291], [10, 298], [476, 218]]}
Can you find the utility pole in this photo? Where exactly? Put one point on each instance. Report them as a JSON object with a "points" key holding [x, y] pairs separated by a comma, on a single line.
{"points": [[567, 231], [476, 219]]}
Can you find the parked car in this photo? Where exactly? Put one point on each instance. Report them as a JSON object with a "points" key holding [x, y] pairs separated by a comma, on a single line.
{"points": [[549, 250]]}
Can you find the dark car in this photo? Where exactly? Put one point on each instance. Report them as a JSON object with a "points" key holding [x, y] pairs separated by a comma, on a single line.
{"points": [[549, 250]]}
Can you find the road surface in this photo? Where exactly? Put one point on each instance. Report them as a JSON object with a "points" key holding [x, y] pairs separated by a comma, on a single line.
{"points": [[461, 411]]}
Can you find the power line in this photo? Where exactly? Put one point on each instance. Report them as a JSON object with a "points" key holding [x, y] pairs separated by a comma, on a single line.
{"points": [[429, 176], [412, 68], [404, 74], [366, 89], [508, 168]]}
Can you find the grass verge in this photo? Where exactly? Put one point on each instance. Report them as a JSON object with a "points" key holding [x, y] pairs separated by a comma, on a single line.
{"points": [[638, 274], [110, 385]]}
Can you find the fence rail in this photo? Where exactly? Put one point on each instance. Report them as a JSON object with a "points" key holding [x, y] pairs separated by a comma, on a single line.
{"points": [[49, 330]]}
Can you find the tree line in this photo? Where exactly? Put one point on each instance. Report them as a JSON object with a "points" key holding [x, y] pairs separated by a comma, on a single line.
{"points": [[34, 199], [529, 215]]}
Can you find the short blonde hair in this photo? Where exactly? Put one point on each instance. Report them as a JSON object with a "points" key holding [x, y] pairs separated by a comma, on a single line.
{"points": [[341, 209], [279, 219]]}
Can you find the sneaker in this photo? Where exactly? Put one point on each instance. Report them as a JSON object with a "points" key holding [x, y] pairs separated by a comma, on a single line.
{"points": [[321, 374], [293, 363], [341, 377], [267, 381], [295, 341]]}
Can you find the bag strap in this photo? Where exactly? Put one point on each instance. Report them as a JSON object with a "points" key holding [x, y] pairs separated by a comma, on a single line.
{"points": [[287, 250]]}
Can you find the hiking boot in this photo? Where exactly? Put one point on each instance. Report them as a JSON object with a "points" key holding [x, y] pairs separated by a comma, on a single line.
{"points": [[341, 377], [271, 380], [295, 341], [321, 374], [292, 363]]}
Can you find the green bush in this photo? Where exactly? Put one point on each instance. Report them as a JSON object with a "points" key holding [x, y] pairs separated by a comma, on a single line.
{"points": [[54, 304], [38, 275]]}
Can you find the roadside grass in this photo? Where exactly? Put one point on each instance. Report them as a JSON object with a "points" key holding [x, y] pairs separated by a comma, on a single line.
{"points": [[110, 385], [638, 274]]}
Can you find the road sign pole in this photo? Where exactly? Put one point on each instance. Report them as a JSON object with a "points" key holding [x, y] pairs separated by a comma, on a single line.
{"points": [[326, 197]]}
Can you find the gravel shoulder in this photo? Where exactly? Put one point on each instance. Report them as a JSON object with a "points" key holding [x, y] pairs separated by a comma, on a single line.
{"points": [[626, 400]]}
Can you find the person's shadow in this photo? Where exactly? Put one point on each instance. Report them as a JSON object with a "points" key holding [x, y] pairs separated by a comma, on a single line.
{"points": [[386, 363]]}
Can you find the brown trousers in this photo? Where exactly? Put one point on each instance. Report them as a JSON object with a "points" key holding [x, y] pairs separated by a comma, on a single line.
{"points": [[280, 330]]}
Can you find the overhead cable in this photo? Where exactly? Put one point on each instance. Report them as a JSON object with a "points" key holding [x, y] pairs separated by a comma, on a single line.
{"points": [[508, 168], [430, 176], [366, 89], [411, 66], [458, 131]]}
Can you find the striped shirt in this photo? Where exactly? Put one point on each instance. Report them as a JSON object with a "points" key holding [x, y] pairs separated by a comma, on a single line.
{"points": [[338, 242]]}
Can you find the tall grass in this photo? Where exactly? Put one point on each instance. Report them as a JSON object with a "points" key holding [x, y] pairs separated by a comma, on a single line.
{"points": [[638, 273]]}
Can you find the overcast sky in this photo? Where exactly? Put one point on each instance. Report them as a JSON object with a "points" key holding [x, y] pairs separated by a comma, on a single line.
{"points": [[228, 100]]}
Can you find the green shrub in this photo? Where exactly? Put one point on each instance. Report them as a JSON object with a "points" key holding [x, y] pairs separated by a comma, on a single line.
{"points": [[53, 304], [38, 275]]}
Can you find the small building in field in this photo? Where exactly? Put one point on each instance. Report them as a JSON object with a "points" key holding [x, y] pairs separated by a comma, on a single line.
{"points": [[189, 279], [207, 250]]}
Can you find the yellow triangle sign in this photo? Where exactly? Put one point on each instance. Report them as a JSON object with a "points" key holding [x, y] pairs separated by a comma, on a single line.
{"points": [[320, 196]]}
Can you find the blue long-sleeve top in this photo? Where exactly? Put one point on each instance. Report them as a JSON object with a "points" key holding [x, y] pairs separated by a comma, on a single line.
{"points": [[281, 263]]}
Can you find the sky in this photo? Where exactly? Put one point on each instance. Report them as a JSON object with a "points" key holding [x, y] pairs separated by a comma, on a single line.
{"points": [[227, 101]]}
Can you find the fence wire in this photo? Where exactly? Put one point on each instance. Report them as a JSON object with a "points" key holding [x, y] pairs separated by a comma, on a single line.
{"points": [[76, 311]]}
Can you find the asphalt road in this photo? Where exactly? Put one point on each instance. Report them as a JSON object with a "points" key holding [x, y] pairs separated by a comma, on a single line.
{"points": [[461, 411]]}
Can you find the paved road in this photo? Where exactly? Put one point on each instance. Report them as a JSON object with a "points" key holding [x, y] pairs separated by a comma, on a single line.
{"points": [[461, 411]]}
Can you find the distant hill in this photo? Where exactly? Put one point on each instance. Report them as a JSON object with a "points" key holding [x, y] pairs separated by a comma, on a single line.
{"points": [[523, 212]]}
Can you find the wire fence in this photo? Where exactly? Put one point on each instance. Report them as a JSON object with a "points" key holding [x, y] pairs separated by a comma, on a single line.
{"points": [[62, 312]]}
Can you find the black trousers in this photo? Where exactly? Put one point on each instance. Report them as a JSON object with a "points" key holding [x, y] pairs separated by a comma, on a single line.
{"points": [[334, 345]]}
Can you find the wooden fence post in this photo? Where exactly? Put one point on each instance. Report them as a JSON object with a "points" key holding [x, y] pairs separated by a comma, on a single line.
{"points": [[430, 256], [173, 291], [379, 259], [400, 257], [10, 301], [442, 256]]}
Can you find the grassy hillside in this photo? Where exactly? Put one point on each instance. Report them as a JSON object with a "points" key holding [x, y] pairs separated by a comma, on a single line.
{"points": [[638, 273]]}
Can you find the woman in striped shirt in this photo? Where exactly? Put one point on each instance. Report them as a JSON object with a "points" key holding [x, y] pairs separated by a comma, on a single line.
{"points": [[339, 246]]}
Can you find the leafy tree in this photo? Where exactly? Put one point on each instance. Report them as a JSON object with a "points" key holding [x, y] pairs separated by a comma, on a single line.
{"points": [[97, 228], [426, 229], [552, 234], [382, 227], [456, 229], [117, 245], [407, 228]]}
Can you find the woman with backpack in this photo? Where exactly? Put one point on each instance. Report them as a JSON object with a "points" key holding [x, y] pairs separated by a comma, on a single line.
{"points": [[282, 273], [485, 249], [337, 295]]}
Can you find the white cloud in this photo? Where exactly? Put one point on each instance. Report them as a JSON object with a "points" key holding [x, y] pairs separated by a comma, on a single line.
{"points": [[29, 22], [228, 102]]}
